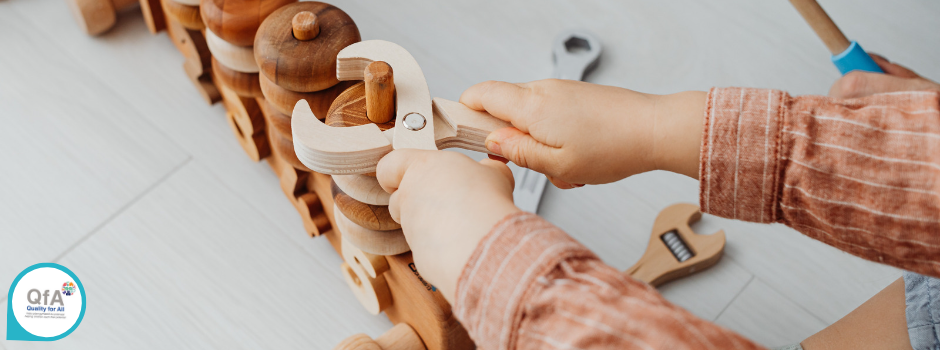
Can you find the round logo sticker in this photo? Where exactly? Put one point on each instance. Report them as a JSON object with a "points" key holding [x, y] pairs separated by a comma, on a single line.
{"points": [[46, 302]]}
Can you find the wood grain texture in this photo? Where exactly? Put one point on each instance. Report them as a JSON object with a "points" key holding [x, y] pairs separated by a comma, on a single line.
{"points": [[240, 58], [373, 217], [659, 265], [247, 123], [400, 337], [349, 109], [379, 80], [93, 16], [192, 45], [237, 21], [186, 15], [363, 188], [304, 26], [284, 100], [374, 242], [153, 14], [243, 84], [825, 28], [420, 305], [303, 66], [685, 45]]}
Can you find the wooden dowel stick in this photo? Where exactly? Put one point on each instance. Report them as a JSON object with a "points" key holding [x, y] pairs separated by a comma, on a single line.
{"points": [[380, 92], [824, 27]]}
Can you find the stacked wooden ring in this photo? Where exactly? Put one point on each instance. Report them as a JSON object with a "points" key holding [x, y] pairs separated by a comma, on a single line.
{"points": [[295, 51], [361, 204], [230, 28]]}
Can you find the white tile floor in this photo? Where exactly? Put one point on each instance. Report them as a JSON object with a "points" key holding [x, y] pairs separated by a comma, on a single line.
{"points": [[114, 167]]}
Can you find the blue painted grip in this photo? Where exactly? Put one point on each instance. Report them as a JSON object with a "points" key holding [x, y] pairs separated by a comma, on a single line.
{"points": [[855, 58]]}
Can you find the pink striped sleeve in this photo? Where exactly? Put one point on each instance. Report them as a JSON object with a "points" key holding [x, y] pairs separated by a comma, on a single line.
{"points": [[529, 285], [862, 175]]}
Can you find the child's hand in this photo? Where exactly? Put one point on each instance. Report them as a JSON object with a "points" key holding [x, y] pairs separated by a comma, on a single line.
{"points": [[446, 203], [581, 133], [896, 78]]}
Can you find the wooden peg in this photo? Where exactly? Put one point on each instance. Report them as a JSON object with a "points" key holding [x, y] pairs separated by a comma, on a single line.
{"points": [[691, 252], [349, 109], [824, 27], [400, 337], [305, 26], [380, 92]]}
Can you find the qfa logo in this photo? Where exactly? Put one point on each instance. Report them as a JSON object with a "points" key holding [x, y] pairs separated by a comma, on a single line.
{"points": [[41, 302], [41, 307]]}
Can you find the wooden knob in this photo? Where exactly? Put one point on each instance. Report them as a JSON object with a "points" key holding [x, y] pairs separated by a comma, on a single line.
{"points": [[380, 92], [303, 65], [237, 21], [305, 26]]}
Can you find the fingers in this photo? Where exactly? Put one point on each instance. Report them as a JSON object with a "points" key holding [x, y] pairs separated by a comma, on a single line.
{"points": [[860, 84], [893, 68], [391, 168], [522, 149], [394, 207], [562, 184], [503, 100], [501, 168], [497, 158]]}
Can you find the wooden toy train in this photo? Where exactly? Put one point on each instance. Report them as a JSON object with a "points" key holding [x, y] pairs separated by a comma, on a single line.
{"points": [[260, 57]]}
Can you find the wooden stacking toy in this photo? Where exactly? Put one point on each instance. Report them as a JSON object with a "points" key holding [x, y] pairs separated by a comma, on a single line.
{"points": [[303, 93]]}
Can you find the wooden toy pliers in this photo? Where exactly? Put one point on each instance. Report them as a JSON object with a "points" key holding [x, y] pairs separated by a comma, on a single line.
{"points": [[420, 122]]}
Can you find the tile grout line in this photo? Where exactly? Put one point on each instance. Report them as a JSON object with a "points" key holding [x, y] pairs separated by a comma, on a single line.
{"points": [[123, 209], [801, 305], [753, 277]]}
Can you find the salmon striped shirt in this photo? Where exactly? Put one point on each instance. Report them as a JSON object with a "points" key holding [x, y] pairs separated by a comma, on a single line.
{"points": [[860, 175]]}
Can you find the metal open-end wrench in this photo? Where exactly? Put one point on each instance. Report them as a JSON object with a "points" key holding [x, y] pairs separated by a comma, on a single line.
{"points": [[575, 52]]}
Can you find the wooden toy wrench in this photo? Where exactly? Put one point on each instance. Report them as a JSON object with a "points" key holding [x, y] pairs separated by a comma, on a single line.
{"points": [[419, 122], [675, 250]]}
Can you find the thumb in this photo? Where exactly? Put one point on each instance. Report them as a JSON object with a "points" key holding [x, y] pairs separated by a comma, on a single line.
{"points": [[521, 148], [860, 84]]}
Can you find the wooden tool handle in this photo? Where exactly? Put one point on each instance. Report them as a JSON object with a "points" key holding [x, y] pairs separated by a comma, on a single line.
{"points": [[824, 27]]}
